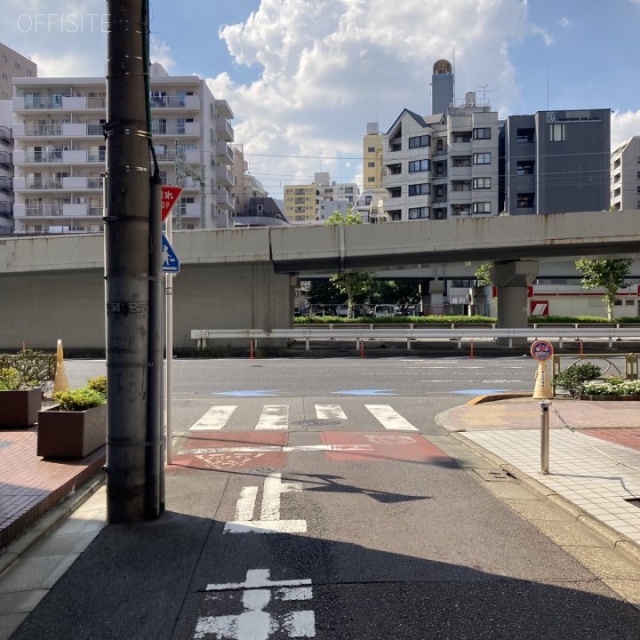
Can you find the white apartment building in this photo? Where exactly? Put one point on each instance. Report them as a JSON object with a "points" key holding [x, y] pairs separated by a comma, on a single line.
{"points": [[625, 175], [444, 165], [60, 152], [6, 169]]}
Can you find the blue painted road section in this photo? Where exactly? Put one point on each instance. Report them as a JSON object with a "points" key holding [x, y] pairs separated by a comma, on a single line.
{"points": [[255, 393], [366, 392]]}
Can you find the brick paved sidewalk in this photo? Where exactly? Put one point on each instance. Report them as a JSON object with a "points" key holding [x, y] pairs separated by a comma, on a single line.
{"points": [[30, 486]]}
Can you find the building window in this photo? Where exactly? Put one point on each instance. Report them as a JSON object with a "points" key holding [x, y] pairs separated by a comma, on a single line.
{"points": [[461, 161], [371, 179], [482, 133], [482, 183], [371, 149], [5, 76], [416, 213], [415, 166], [16, 65], [395, 192], [482, 158], [557, 133], [637, 190], [371, 164], [419, 141], [461, 137], [422, 189], [524, 136], [525, 200], [461, 185], [481, 207]]}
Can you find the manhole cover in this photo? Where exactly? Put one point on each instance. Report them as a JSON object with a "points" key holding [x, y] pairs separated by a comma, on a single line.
{"points": [[262, 470], [315, 423]]}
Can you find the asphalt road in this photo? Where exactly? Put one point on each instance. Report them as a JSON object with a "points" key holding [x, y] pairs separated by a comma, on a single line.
{"points": [[320, 499]]}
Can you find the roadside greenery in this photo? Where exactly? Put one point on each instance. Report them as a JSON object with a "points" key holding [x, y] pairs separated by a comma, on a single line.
{"points": [[79, 399], [609, 274], [574, 377], [26, 369], [614, 386]]}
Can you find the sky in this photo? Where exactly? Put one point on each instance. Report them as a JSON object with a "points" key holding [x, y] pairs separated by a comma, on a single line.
{"points": [[304, 77]]}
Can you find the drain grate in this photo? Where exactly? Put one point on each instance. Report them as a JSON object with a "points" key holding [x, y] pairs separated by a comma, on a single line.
{"points": [[315, 423], [497, 475]]}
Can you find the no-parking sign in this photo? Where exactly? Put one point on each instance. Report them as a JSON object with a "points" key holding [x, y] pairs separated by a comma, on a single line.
{"points": [[541, 350]]}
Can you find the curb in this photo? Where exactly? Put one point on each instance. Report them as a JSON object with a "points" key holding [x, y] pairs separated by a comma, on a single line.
{"points": [[616, 539], [44, 525]]}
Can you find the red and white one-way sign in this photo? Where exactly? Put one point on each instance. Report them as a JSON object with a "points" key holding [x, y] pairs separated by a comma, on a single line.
{"points": [[170, 196]]}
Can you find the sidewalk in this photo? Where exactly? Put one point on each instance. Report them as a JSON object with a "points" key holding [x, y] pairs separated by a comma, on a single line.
{"points": [[594, 455]]}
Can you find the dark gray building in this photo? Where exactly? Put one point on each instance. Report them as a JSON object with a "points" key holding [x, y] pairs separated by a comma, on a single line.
{"points": [[556, 162], [442, 87]]}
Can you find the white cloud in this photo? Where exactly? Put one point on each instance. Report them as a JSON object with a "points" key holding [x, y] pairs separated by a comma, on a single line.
{"points": [[544, 34], [624, 126], [327, 67]]}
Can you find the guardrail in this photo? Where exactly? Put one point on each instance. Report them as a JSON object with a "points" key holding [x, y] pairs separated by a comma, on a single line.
{"points": [[628, 371], [412, 334]]}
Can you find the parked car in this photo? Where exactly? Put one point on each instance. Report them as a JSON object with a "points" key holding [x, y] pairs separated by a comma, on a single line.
{"points": [[386, 310]]}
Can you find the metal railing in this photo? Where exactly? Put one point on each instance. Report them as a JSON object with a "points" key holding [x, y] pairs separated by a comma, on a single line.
{"points": [[360, 333], [623, 364]]}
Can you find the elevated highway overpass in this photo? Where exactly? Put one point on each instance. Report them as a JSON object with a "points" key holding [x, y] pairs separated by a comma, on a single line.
{"points": [[52, 286]]}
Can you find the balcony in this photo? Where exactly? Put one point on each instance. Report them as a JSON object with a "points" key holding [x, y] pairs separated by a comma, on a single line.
{"points": [[5, 134], [5, 159], [36, 130], [224, 130], [81, 183], [6, 209], [190, 210], [176, 101], [224, 153], [5, 184], [74, 156], [224, 200], [224, 176], [223, 109], [175, 129], [75, 210]]}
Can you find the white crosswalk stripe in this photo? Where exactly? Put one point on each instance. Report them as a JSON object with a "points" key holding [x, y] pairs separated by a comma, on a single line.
{"points": [[275, 417], [215, 419], [330, 412], [389, 418]]}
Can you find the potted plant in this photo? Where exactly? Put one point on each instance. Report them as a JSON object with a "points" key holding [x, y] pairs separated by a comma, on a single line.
{"points": [[77, 425], [22, 379], [573, 378], [613, 388]]}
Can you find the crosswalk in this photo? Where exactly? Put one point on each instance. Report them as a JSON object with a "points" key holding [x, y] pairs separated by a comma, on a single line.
{"points": [[276, 417]]}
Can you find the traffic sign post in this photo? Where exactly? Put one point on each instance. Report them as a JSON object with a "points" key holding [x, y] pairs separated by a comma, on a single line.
{"points": [[170, 262]]}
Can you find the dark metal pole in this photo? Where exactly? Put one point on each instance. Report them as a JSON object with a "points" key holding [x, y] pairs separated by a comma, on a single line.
{"points": [[155, 451], [127, 258]]}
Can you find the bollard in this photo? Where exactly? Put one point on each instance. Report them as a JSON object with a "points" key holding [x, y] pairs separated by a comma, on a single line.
{"points": [[471, 354], [581, 348], [544, 436], [60, 381], [361, 348], [251, 350]]}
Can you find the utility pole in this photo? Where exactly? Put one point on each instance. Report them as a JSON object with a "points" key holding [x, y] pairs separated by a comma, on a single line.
{"points": [[128, 202]]}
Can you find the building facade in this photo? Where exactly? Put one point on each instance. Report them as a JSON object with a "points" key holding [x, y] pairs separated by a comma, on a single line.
{"points": [[557, 162], [302, 203], [13, 65], [372, 151], [60, 152], [625, 175], [442, 166]]}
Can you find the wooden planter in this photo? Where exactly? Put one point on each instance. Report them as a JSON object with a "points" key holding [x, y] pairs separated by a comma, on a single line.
{"points": [[71, 434], [19, 409]]}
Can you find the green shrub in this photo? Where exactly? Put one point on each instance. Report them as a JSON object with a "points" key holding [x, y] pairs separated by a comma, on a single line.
{"points": [[35, 368], [574, 376], [99, 384], [79, 399], [613, 386], [10, 379]]}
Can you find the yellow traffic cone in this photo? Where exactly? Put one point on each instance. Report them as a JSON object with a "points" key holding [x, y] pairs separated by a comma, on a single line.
{"points": [[542, 390], [60, 382]]}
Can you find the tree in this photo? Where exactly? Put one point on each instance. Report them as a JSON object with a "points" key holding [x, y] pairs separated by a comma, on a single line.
{"points": [[606, 273], [355, 285], [483, 274], [403, 293]]}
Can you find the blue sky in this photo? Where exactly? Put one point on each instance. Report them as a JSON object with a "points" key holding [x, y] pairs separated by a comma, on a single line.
{"points": [[305, 76]]}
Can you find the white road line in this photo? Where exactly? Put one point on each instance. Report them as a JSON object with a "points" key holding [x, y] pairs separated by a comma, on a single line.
{"points": [[246, 505], [215, 419], [330, 412], [274, 417], [277, 449], [389, 418]]}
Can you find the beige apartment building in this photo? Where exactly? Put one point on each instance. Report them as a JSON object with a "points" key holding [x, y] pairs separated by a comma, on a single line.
{"points": [[60, 152], [372, 157]]}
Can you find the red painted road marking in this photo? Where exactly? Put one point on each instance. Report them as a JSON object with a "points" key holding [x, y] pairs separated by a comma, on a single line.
{"points": [[414, 448]]}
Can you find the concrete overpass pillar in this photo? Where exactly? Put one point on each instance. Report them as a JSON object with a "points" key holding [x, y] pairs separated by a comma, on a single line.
{"points": [[511, 280], [436, 297]]}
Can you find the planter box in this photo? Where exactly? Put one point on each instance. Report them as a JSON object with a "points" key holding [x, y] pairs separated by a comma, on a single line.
{"points": [[19, 409], [71, 434], [605, 398]]}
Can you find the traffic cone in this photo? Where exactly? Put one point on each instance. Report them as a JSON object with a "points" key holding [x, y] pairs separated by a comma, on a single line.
{"points": [[542, 389], [60, 382]]}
